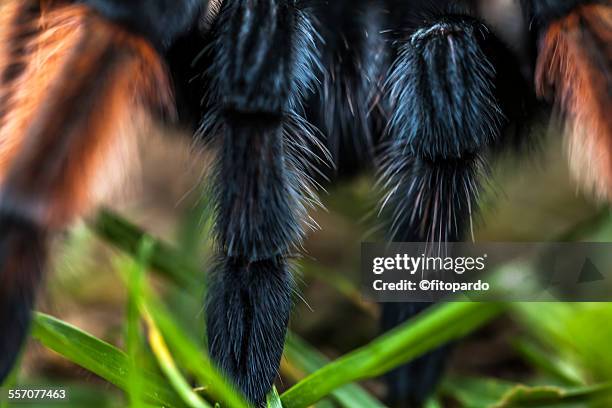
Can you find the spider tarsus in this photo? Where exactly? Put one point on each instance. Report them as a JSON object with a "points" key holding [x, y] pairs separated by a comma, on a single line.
{"points": [[248, 311]]}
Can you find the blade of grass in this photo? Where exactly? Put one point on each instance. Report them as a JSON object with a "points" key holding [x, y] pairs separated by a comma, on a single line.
{"points": [[522, 396], [573, 333], [433, 403], [273, 399], [474, 392], [310, 360], [135, 279], [161, 326], [10, 381], [587, 227], [128, 237], [167, 365], [98, 357], [548, 363], [135, 271], [192, 358], [443, 323], [339, 283]]}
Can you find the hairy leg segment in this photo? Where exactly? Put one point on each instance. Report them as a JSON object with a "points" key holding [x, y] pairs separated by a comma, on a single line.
{"points": [[264, 64], [573, 71], [75, 85], [445, 117]]}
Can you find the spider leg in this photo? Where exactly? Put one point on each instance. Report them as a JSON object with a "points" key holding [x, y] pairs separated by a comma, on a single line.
{"points": [[355, 58], [74, 88], [445, 119], [160, 21], [264, 63], [574, 72]]}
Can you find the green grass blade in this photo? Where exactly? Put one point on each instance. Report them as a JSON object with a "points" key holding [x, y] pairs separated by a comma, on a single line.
{"points": [[443, 323], [340, 284], [167, 365], [549, 363], [98, 357], [128, 237], [476, 392], [522, 396], [309, 360], [273, 399], [433, 403], [191, 357], [134, 271]]}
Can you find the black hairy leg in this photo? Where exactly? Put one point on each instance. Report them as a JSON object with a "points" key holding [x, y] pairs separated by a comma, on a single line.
{"points": [[445, 117], [347, 107], [429, 200], [264, 63], [22, 254], [161, 21]]}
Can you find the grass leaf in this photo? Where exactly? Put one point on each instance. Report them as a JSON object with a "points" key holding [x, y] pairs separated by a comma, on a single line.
{"points": [[309, 360], [191, 357], [522, 396], [273, 399], [441, 324], [98, 357], [167, 365], [128, 237]]}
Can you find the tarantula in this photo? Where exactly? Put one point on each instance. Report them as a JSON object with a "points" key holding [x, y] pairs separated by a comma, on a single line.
{"points": [[425, 91]]}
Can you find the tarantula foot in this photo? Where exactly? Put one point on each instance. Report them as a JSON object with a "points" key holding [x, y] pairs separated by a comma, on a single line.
{"points": [[249, 305]]}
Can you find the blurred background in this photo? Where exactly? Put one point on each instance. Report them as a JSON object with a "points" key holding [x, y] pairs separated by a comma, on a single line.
{"points": [[529, 199]]}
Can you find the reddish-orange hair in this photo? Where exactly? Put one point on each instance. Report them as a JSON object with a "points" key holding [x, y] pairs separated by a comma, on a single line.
{"points": [[574, 69], [70, 109]]}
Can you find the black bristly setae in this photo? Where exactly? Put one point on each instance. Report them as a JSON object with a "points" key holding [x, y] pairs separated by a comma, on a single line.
{"points": [[287, 94], [264, 63], [444, 117]]}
